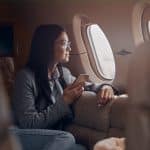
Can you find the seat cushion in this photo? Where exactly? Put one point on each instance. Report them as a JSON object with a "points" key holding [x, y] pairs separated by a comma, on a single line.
{"points": [[118, 113], [86, 136], [88, 114]]}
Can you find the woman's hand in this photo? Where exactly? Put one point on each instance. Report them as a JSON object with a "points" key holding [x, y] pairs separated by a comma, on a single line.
{"points": [[110, 144], [105, 94], [72, 92]]}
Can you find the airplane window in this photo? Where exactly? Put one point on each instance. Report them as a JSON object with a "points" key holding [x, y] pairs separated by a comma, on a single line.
{"points": [[145, 22], [101, 51], [149, 26]]}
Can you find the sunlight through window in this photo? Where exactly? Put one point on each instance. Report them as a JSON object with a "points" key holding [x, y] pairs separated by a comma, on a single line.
{"points": [[102, 51], [149, 27]]}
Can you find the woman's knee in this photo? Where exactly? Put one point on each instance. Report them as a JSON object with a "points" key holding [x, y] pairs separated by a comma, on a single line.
{"points": [[63, 140], [68, 137]]}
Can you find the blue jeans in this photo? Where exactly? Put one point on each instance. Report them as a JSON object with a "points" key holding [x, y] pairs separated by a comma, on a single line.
{"points": [[43, 139]]}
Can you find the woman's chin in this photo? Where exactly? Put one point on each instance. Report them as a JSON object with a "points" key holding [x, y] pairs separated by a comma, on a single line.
{"points": [[65, 60]]}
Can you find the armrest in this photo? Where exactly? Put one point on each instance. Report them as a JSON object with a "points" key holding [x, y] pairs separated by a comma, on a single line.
{"points": [[118, 112], [88, 114]]}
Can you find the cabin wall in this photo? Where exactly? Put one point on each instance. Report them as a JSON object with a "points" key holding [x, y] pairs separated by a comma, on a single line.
{"points": [[115, 18], [8, 16], [7, 13]]}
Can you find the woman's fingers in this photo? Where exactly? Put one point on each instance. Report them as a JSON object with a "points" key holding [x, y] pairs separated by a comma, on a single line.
{"points": [[105, 95], [72, 93], [102, 93], [72, 86], [78, 90]]}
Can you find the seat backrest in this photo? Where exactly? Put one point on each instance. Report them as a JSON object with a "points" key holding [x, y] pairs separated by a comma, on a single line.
{"points": [[138, 125], [8, 71], [8, 141]]}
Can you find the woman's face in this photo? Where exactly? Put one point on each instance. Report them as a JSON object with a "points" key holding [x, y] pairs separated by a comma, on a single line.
{"points": [[62, 48]]}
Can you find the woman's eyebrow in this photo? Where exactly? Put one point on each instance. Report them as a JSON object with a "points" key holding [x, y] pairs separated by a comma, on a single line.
{"points": [[65, 40]]}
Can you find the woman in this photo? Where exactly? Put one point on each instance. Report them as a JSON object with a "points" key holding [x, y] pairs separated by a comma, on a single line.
{"points": [[43, 91]]}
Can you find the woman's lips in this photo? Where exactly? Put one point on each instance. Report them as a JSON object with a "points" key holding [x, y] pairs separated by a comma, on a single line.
{"points": [[67, 55]]}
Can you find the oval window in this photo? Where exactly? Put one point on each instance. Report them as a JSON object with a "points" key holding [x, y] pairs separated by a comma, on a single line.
{"points": [[146, 22], [102, 51], [149, 27]]}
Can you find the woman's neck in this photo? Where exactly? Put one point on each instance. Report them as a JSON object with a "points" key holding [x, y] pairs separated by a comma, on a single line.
{"points": [[51, 70]]}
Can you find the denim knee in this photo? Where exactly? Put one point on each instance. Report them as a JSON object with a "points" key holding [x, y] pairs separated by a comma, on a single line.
{"points": [[64, 140], [41, 139], [68, 137]]}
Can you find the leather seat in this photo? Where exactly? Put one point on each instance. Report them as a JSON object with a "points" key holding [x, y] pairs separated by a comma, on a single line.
{"points": [[94, 123]]}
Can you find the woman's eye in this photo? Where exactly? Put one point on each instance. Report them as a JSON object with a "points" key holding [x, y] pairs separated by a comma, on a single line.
{"points": [[64, 44]]}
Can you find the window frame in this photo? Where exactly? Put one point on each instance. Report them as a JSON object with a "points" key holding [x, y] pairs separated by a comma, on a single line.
{"points": [[92, 53], [145, 22]]}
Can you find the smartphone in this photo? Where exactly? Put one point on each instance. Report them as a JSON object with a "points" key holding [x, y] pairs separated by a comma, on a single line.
{"points": [[81, 78]]}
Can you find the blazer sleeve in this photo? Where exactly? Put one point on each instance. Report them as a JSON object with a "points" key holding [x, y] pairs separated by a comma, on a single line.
{"points": [[96, 87], [24, 108], [89, 86]]}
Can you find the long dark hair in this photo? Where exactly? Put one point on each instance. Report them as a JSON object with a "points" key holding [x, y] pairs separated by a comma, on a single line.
{"points": [[42, 55]]}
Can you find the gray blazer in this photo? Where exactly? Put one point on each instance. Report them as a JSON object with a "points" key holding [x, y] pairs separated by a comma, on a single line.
{"points": [[28, 113]]}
